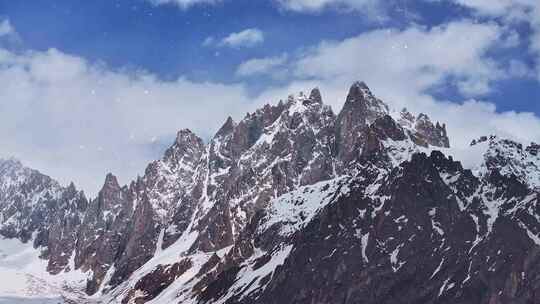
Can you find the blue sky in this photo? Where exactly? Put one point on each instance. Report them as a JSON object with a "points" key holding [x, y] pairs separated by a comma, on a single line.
{"points": [[106, 84], [167, 40]]}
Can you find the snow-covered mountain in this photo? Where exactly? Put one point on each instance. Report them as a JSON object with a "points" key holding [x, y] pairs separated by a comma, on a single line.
{"points": [[295, 204]]}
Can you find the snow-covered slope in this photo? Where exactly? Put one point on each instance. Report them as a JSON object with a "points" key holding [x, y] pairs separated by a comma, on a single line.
{"points": [[24, 277]]}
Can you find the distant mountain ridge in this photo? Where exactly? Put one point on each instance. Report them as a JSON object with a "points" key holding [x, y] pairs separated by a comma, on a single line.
{"points": [[295, 204]]}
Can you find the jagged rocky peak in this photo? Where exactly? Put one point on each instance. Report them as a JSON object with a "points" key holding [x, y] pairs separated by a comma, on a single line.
{"points": [[508, 158], [253, 125], [533, 149], [112, 197], [361, 100], [104, 231], [227, 127], [294, 101], [315, 96], [35, 207], [361, 109], [10, 162], [504, 144], [406, 118], [167, 180], [386, 127], [187, 144], [243, 135], [423, 131], [71, 187], [480, 140], [111, 183], [19, 183], [13, 173], [433, 134], [185, 151], [185, 136], [302, 109]]}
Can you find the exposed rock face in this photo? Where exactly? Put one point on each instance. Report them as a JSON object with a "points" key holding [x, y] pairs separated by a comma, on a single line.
{"points": [[511, 158], [428, 232], [360, 110], [167, 181], [103, 234], [157, 281], [62, 232], [141, 244], [424, 132], [294, 204], [33, 204]]}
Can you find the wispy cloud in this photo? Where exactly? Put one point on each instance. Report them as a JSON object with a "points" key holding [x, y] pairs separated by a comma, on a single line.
{"points": [[244, 39], [374, 9], [367, 7], [268, 65], [510, 12], [6, 29], [418, 57], [184, 4]]}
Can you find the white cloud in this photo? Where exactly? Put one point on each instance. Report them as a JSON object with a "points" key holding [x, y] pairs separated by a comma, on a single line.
{"points": [[367, 6], [268, 65], [209, 41], [184, 4], [535, 37], [511, 11], [418, 57], [74, 119], [6, 29], [535, 48], [246, 38], [517, 68]]}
